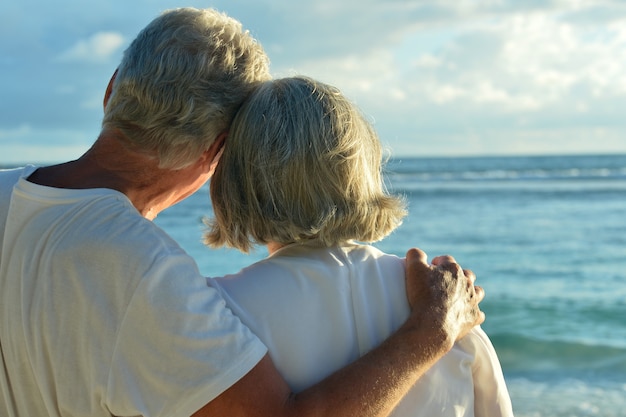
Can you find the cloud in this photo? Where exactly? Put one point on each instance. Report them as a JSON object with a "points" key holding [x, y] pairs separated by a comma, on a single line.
{"points": [[464, 76], [100, 47], [511, 65]]}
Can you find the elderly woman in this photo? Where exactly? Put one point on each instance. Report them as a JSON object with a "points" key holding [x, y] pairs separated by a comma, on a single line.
{"points": [[301, 173]]}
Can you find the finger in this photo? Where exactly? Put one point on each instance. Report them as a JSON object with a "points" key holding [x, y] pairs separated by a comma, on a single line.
{"points": [[452, 267], [419, 288], [470, 274], [480, 317], [416, 255], [443, 259], [480, 293]]}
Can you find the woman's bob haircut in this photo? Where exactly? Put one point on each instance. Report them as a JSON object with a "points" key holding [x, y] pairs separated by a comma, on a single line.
{"points": [[301, 164]]}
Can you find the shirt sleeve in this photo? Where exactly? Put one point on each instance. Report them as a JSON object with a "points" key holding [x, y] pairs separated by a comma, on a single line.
{"points": [[179, 346], [491, 397]]}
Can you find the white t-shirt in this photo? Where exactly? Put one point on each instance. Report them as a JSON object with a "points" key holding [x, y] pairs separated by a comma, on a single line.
{"points": [[318, 309], [102, 313]]}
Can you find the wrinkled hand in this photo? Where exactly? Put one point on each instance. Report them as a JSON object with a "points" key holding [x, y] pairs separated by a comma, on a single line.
{"points": [[443, 294]]}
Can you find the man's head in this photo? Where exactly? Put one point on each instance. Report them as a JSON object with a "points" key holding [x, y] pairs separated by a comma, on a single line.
{"points": [[180, 83]]}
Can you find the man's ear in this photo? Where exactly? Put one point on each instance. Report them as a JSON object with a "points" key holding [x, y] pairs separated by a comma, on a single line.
{"points": [[214, 153], [109, 90]]}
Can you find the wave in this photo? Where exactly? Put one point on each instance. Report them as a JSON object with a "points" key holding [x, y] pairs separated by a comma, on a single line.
{"points": [[568, 397], [527, 355], [510, 175], [507, 169]]}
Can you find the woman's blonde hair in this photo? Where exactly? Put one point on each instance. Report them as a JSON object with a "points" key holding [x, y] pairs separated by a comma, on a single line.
{"points": [[180, 83], [301, 163]]}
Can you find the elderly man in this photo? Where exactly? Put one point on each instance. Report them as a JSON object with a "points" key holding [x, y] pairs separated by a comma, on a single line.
{"points": [[103, 314]]}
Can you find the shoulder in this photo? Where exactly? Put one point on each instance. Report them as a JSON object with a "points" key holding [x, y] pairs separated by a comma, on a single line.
{"points": [[372, 261], [108, 221]]}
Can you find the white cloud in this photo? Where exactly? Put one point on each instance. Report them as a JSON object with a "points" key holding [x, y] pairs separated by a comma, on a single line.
{"points": [[532, 64], [462, 72], [427, 61], [100, 47]]}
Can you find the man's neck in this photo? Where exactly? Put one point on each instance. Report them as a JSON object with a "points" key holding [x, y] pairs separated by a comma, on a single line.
{"points": [[103, 166]]}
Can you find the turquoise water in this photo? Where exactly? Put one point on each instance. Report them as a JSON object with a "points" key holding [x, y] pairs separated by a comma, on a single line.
{"points": [[546, 237]]}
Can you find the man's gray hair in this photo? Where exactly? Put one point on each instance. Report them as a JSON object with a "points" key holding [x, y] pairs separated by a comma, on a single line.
{"points": [[180, 83]]}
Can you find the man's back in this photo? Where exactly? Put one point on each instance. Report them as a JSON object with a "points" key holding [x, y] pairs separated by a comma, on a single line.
{"points": [[51, 328], [88, 310]]}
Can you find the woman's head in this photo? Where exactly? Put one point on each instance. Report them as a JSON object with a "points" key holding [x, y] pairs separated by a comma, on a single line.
{"points": [[301, 163], [181, 81]]}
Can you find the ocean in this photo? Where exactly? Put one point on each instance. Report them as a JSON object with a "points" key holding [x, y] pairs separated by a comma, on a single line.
{"points": [[546, 237]]}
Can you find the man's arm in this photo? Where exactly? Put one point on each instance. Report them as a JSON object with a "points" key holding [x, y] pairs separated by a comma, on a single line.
{"points": [[444, 304]]}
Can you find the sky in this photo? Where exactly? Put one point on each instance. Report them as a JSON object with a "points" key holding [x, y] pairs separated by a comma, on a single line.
{"points": [[436, 77]]}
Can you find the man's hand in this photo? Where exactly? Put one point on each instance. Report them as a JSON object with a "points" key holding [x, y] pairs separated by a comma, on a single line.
{"points": [[443, 294]]}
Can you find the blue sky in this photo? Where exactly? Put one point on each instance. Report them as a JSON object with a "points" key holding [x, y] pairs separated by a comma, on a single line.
{"points": [[437, 77]]}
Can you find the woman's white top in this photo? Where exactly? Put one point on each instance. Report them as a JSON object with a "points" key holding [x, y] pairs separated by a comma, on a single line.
{"points": [[318, 309]]}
